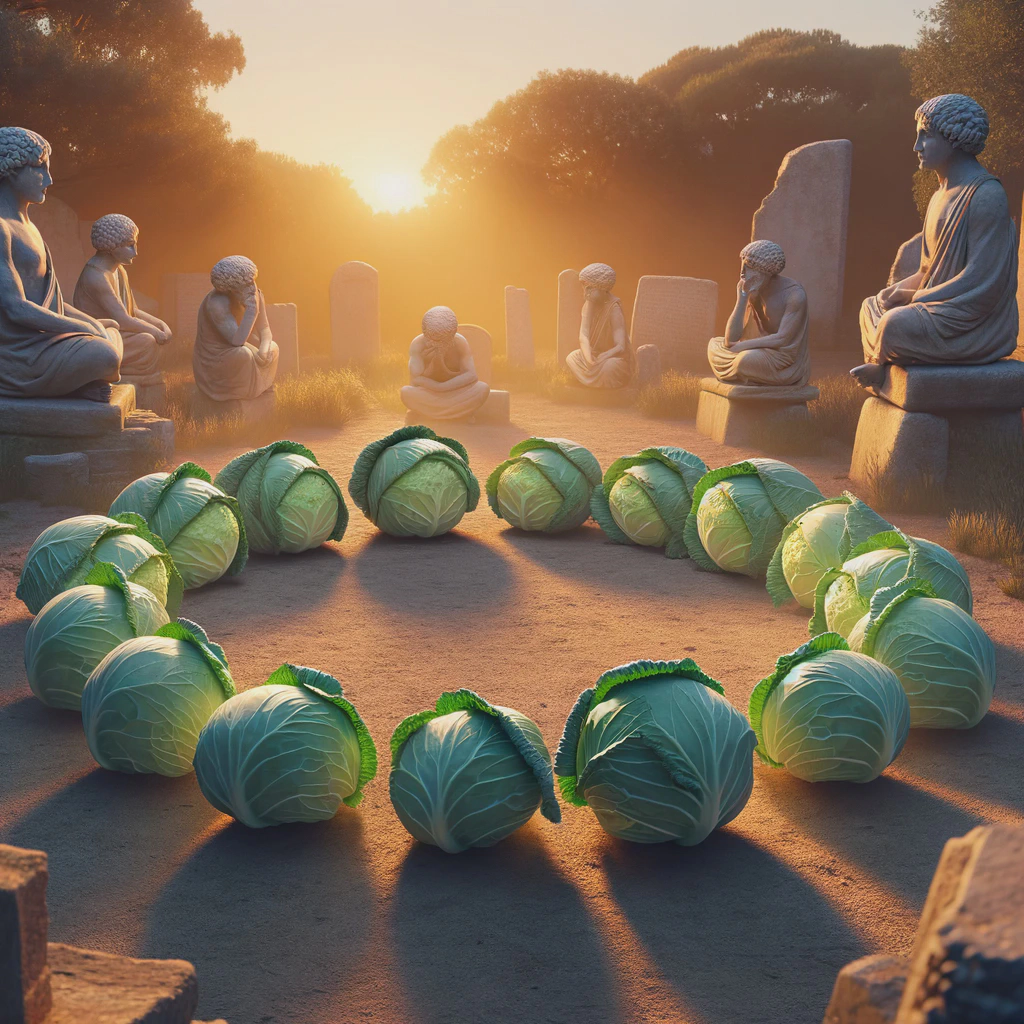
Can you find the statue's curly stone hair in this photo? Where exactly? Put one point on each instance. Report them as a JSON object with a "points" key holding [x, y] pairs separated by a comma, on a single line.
{"points": [[598, 275], [439, 323], [20, 147], [958, 119], [765, 256], [232, 274], [112, 231]]}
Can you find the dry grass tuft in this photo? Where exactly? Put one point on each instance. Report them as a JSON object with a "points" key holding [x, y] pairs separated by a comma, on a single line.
{"points": [[837, 409], [673, 397], [985, 534], [1013, 585]]}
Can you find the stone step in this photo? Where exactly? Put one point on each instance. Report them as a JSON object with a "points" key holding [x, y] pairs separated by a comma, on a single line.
{"points": [[66, 417]]}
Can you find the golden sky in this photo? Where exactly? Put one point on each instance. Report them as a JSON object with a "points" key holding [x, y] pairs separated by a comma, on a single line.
{"points": [[371, 85]]}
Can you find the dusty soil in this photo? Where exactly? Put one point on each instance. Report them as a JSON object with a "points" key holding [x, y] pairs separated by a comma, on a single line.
{"points": [[351, 920]]}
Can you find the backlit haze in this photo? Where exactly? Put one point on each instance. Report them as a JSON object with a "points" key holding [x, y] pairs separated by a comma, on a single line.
{"points": [[371, 86]]}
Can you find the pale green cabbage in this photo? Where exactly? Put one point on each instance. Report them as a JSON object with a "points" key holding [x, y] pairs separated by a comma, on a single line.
{"points": [[722, 521]]}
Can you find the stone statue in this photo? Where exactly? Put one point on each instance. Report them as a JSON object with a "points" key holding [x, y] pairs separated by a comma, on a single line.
{"points": [[765, 341], [443, 384], [235, 355], [103, 291], [605, 357], [960, 305], [48, 348]]}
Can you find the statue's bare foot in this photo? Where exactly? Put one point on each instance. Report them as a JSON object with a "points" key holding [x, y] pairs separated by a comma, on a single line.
{"points": [[94, 391], [868, 375]]}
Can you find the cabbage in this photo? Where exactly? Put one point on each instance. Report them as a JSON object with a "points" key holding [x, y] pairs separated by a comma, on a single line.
{"points": [[413, 483], [63, 555], [658, 753], [288, 502], [814, 542], [146, 702], [79, 627], [200, 524], [469, 773], [545, 484], [828, 714], [292, 749], [645, 498], [739, 513], [944, 660]]}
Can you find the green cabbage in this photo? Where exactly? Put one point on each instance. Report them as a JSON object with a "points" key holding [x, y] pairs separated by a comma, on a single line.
{"points": [[200, 524], [413, 483], [658, 753], [828, 714], [545, 484], [469, 773], [288, 502], [64, 554], [146, 702], [645, 498], [293, 749], [79, 627]]}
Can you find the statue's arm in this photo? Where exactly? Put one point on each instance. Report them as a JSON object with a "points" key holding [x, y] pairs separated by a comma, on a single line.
{"points": [[233, 332], [620, 338], [585, 322], [262, 327], [792, 322], [156, 326], [110, 304], [418, 368], [467, 368], [734, 325]]}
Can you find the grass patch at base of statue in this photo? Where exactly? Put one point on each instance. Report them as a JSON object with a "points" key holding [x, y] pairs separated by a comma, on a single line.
{"points": [[836, 411], [469, 773], [674, 396], [658, 753]]}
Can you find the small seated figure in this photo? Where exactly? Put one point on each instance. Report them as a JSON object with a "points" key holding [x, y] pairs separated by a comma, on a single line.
{"points": [[960, 304], [235, 355], [48, 349], [103, 291], [443, 384], [765, 343], [605, 356]]}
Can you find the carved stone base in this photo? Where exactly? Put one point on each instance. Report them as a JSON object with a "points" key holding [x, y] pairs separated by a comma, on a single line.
{"points": [[496, 411], [748, 417], [150, 392], [607, 398], [249, 409]]}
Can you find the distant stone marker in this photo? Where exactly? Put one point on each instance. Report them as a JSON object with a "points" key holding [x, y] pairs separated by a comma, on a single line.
{"points": [[518, 327], [570, 303], [355, 313], [482, 347], [62, 232], [677, 315], [181, 295], [807, 213], [283, 318]]}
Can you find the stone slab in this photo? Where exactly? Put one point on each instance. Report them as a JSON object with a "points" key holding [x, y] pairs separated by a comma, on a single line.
{"points": [[606, 398], [283, 318], [24, 978], [892, 444], [482, 347], [570, 314], [181, 295], [745, 424], [749, 392], [355, 313], [947, 389], [677, 314], [66, 417], [868, 991], [496, 411], [648, 365], [56, 479], [62, 232], [519, 350]]}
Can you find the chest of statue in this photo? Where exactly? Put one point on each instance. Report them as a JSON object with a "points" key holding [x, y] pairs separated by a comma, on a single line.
{"points": [[441, 363], [29, 256]]}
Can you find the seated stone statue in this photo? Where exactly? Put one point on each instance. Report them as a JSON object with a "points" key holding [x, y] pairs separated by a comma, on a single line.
{"points": [[48, 348], [605, 356], [443, 384], [103, 291], [960, 305], [235, 355], [765, 341]]}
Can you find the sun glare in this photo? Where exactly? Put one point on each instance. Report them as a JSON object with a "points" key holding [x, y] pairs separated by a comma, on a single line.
{"points": [[394, 191]]}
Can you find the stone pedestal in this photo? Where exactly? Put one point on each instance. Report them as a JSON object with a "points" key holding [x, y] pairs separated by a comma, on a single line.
{"points": [[150, 392], [677, 315], [496, 411], [283, 318], [247, 409], [744, 416]]}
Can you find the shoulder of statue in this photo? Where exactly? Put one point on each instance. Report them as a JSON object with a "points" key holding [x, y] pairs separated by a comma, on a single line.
{"points": [[418, 343], [990, 196]]}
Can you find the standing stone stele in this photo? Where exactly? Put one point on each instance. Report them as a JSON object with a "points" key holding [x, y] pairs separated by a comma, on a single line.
{"points": [[66, 237], [181, 295], [676, 314], [283, 318], [518, 327], [570, 302], [482, 347], [355, 314]]}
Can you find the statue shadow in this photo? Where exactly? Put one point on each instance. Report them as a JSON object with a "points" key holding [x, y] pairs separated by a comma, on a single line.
{"points": [[735, 931], [498, 934]]}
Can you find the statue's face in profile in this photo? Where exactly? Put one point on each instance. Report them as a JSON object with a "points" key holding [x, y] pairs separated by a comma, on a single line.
{"points": [[593, 294], [125, 254], [753, 280], [30, 183], [933, 151]]}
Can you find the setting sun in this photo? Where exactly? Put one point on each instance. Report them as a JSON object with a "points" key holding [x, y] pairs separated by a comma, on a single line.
{"points": [[393, 191]]}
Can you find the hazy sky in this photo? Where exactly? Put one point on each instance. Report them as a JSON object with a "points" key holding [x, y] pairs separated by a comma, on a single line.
{"points": [[371, 85]]}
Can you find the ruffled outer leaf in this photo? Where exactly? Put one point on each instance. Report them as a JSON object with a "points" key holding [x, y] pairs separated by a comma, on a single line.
{"points": [[327, 688], [885, 601], [104, 574], [175, 584], [213, 654], [818, 645], [532, 751]]}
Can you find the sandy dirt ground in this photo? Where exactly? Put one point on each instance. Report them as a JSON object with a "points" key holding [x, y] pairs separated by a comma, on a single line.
{"points": [[350, 920]]}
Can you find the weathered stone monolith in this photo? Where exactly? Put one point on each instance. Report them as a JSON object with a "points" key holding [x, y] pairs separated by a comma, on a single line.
{"points": [[61, 231], [518, 327], [676, 314], [482, 347], [355, 313], [570, 306], [283, 318], [181, 295], [25, 996]]}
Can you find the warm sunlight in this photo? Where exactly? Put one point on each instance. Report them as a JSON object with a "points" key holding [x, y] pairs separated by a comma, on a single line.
{"points": [[393, 191]]}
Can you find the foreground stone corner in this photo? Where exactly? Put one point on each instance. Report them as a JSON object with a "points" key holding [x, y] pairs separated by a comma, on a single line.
{"points": [[868, 991]]}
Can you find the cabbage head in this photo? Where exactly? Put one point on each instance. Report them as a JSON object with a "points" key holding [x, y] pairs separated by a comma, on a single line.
{"points": [[658, 753], [64, 554], [413, 483], [814, 542], [827, 714], [200, 524], [545, 485], [79, 627], [843, 596], [469, 773], [944, 660], [645, 498], [739, 513], [288, 502], [293, 749], [146, 702]]}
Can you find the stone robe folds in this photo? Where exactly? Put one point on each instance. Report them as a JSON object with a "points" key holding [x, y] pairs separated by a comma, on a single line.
{"points": [[443, 405], [225, 372], [965, 309], [606, 373], [34, 364]]}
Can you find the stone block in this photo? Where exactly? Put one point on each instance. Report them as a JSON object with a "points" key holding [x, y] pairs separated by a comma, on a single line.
{"points": [[895, 445], [518, 327], [603, 398], [150, 392], [908, 260], [56, 479], [789, 395], [248, 409], [66, 417], [283, 318], [868, 991], [355, 314], [24, 978], [570, 314], [648, 365], [807, 213], [677, 315], [59, 226], [482, 347], [181, 295], [750, 422], [948, 389]]}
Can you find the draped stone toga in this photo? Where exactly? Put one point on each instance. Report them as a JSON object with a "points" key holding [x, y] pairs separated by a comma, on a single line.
{"points": [[224, 371], [608, 373], [444, 405], [965, 308]]}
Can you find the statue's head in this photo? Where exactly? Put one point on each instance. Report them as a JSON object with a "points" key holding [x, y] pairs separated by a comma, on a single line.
{"points": [[440, 324], [235, 276], [761, 261], [116, 234], [946, 124], [598, 280], [25, 163]]}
